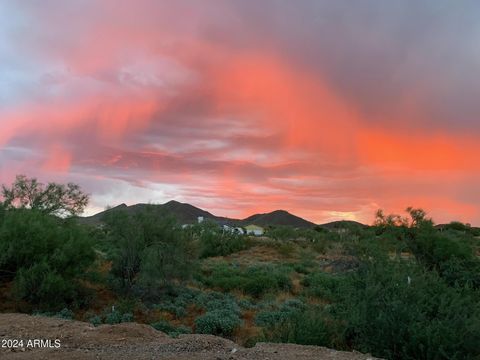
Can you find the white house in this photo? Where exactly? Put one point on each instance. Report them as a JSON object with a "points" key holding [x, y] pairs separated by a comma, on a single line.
{"points": [[254, 230]]}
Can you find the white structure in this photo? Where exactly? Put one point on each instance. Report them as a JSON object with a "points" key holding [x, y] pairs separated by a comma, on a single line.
{"points": [[254, 230], [233, 230], [200, 219]]}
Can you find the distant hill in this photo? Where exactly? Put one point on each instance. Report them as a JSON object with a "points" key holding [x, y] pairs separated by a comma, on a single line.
{"points": [[185, 213], [342, 224], [278, 217], [188, 214]]}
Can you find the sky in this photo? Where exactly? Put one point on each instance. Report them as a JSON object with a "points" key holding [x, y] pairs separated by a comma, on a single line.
{"points": [[327, 109]]}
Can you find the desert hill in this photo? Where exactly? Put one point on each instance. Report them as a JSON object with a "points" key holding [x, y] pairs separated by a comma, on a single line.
{"points": [[278, 217], [187, 214]]}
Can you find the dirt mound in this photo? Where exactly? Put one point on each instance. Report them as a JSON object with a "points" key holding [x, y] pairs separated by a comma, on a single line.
{"points": [[50, 338]]}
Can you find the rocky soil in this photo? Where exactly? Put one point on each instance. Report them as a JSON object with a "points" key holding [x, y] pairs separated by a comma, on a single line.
{"points": [[82, 341]]}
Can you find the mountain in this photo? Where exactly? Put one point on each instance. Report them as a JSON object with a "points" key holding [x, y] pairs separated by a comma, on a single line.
{"points": [[185, 213], [343, 224], [188, 214], [278, 217]]}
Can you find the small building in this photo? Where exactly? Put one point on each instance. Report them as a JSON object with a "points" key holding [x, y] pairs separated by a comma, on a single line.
{"points": [[239, 231], [254, 230], [233, 230], [200, 219]]}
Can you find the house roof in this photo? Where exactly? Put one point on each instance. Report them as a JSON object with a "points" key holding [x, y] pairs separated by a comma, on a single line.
{"points": [[253, 227]]}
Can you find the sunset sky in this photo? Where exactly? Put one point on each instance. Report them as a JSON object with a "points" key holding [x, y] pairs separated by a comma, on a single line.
{"points": [[327, 109]]}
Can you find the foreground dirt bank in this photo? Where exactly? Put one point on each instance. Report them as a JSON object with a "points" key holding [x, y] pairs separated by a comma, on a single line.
{"points": [[78, 341]]}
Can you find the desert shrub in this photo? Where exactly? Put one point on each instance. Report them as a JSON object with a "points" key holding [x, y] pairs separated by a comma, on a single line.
{"points": [[215, 242], [246, 304], [276, 314], [213, 300], [282, 233], [323, 285], [150, 252], [301, 327], [114, 316], [171, 330], [95, 320], [400, 311], [259, 284], [2, 213], [43, 286], [179, 310], [320, 244], [217, 322], [301, 269], [45, 256], [452, 258], [127, 317], [163, 326], [254, 280], [458, 226], [270, 318], [285, 249], [177, 299], [65, 314]]}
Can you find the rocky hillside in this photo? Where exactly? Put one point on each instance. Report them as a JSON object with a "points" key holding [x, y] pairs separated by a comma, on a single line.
{"points": [[82, 341], [186, 213]]}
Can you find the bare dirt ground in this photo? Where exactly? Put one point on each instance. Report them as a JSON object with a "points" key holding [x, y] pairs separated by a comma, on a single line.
{"points": [[82, 341]]}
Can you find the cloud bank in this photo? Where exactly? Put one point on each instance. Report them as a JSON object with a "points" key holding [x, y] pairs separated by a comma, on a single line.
{"points": [[327, 109]]}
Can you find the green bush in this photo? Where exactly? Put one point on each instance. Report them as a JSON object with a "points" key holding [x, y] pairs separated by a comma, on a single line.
{"points": [[278, 314], [65, 314], [323, 285], [217, 322], [215, 242], [452, 258], [301, 327], [95, 320], [45, 256], [113, 316], [254, 280], [173, 331], [150, 252], [282, 233], [399, 311], [179, 310]]}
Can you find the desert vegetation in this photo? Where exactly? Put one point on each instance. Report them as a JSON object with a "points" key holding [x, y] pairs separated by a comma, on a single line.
{"points": [[399, 289]]}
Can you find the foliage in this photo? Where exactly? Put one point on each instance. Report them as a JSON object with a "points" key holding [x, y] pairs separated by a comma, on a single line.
{"points": [[45, 256], [53, 198], [277, 314], [95, 320], [150, 251], [323, 285], [254, 280], [217, 322], [399, 311], [282, 233], [65, 313], [453, 259], [416, 217], [171, 330], [302, 327], [215, 242]]}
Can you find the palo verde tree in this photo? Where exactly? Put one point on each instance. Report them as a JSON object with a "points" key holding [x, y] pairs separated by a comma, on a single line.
{"points": [[150, 251], [44, 256], [52, 199]]}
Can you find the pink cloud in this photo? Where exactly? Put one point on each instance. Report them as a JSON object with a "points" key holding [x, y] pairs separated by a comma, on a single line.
{"points": [[173, 101]]}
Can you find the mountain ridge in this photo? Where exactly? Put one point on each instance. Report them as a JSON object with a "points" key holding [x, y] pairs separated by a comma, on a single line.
{"points": [[187, 213]]}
